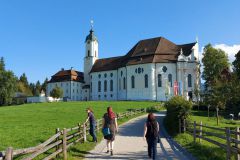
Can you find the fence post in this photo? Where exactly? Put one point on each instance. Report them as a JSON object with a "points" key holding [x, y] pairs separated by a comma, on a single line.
{"points": [[57, 139], [237, 156], [65, 144], [194, 132], [200, 133], [145, 110], [9, 153], [228, 139], [84, 132], [180, 127], [184, 125], [79, 130]]}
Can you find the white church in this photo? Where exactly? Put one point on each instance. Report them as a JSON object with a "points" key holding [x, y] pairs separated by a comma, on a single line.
{"points": [[154, 69]]}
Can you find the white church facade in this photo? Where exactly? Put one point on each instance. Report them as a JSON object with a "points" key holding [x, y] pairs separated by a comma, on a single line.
{"points": [[154, 69]]}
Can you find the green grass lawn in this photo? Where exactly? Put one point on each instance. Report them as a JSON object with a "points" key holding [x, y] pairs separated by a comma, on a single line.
{"points": [[206, 150], [30, 124]]}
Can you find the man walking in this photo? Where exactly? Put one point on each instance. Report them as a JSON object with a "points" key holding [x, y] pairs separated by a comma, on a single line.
{"points": [[92, 123]]}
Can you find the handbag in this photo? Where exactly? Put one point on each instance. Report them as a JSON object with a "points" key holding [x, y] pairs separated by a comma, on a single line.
{"points": [[106, 131]]}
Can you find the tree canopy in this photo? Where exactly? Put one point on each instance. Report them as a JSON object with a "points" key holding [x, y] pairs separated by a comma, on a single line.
{"points": [[236, 64], [57, 92]]}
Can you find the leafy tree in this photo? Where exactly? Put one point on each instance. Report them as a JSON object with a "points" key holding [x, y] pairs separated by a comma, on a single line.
{"points": [[57, 92], [38, 88], [23, 79], [236, 64], [214, 61], [177, 108], [44, 85], [2, 64], [8, 85]]}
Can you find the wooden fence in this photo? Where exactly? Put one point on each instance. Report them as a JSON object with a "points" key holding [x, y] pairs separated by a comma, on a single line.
{"points": [[61, 141], [226, 138]]}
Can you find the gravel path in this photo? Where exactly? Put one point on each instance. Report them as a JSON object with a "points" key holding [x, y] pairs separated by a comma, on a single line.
{"points": [[129, 143]]}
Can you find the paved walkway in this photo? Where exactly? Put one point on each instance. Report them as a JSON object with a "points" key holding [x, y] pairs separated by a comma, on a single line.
{"points": [[129, 143]]}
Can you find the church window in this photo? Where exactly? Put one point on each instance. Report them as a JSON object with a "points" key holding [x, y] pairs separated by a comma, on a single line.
{"points": [[99, 76], [111, 74], [105, 86], [77, 90], [99, 96], [139, 70], [88, 53], [91, 76], [136, 70], [73, 90], [120, 84], [124, 83], [146, 80], [189, 80], [121, 73], [170, 79], [111, 95], [105, 75], [164, 69], [142, 70], [159, 80], [99, 86], [133, 81], [111, 85], [91, 87], [105, 96]]}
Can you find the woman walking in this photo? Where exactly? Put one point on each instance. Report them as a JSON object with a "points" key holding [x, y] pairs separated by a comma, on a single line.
{"points": [[151, 130], [92, 123], [110, 127]]}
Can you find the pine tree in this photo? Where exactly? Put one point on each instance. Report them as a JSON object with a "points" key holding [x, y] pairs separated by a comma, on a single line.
{"points": [[236, 64]]}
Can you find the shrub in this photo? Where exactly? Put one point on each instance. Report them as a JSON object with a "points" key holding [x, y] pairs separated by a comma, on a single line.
{"points": [[177, 108]]}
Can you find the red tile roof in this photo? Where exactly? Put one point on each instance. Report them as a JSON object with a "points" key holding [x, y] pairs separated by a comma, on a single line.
{"points": [[152, 50], [67, 75]]}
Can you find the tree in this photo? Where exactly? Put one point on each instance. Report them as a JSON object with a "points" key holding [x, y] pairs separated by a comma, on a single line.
{"points": [[57, 92], [2, 64], [38, 89], [236, 65], [44, 85], [24, 87], [214, 61], [8, 85], [23, 79]]}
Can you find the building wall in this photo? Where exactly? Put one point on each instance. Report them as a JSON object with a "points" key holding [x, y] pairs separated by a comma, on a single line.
{"points": [[152, 92], [71, 89]]}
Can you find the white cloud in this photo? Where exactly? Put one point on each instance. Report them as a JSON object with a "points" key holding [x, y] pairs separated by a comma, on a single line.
{"points": [[230, 50]]}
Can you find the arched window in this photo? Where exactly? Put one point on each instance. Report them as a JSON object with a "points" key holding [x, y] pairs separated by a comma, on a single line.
{"points": [[111, 85], [133, 81], [99, 86], [88, 53], [146, 80], [159, 80], [105, 86], [124, 83], [170, 79], [90, 88], [119, 84], [189, 80]]}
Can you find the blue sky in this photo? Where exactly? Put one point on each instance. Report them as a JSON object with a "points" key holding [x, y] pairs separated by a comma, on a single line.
{"points": [[40, 37]]}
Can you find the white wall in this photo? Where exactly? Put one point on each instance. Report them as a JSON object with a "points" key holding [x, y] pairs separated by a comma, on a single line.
{"points": [[71, 89]]}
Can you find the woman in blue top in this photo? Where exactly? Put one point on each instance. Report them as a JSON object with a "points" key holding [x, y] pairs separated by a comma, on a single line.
{"points": [[92, 123]]}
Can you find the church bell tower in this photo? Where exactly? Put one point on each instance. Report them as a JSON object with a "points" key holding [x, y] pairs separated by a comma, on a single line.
{"points": [[91, 54]]}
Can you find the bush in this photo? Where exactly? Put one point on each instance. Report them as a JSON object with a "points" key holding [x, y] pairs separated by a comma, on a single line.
{"points": [[177, 108]]}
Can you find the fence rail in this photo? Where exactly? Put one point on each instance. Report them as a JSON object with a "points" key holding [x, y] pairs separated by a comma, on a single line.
{"points": [[61, 140], [229, 140]]}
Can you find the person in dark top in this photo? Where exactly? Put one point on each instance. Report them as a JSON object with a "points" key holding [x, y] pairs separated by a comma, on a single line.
{"points": [[92, 123], [151, 133], [110, 121]]}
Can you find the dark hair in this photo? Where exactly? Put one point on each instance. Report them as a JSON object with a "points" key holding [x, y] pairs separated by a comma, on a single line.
{"points": [[111, 115], [90, 109], [151, 117]]}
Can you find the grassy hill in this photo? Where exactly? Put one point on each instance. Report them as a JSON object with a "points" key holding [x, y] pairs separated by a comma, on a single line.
{"points": [[30, 124]]}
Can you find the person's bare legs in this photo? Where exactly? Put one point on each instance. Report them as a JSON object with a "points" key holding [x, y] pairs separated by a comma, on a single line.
{"points": [[112, 146], [108, 145]]}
